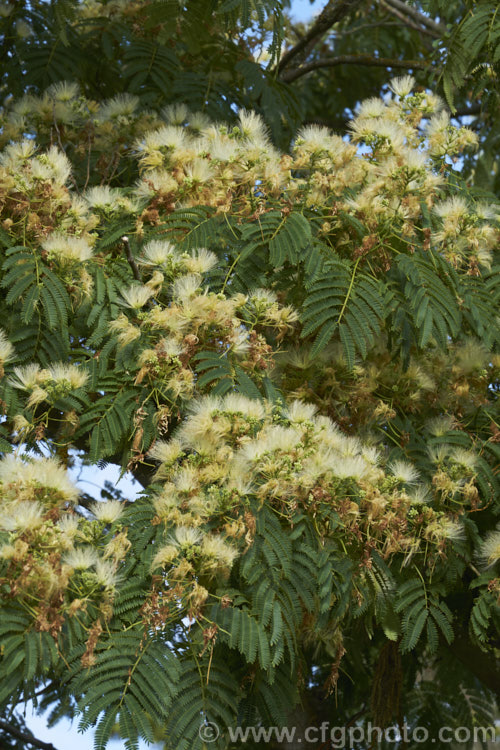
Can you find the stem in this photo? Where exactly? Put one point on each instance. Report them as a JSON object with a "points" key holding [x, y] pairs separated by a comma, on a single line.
{"points": [[25, 736], [130, 259], [348, 291]]}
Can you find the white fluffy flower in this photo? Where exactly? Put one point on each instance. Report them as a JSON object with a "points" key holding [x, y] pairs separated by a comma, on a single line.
{"points": [[186, 536], [200, 261], [489, 551], [122, 105], [105, 573], [44, 472], [6, 348], [21, 516], [402, 85], [59, 372], [81, 558], [404, 472], [298, 411], [237, 403], [136, 296], [166, 452], [159, 253], [186, 287], [66, 248], [216, 550], [108, 510]]}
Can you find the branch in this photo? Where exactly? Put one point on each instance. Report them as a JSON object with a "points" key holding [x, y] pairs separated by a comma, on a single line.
{"points": [[380, 24], [130, 258], [409, 23], [474, 109], [420, 18], [332, 62], [24, 736], [333, 12]]}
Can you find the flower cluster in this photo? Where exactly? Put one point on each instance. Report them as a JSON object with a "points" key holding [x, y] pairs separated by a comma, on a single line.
{"points": [[394, 162], [34, 197], [52, 558], [49, 384], [378, 391], [172, 317], [234, 454]]}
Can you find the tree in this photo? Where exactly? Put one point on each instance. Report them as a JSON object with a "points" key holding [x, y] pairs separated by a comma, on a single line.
{"points": [[291, 342]]}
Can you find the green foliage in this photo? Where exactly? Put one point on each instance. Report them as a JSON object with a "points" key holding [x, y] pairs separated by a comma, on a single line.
{"points": [[422, 609], [323, 273], [474, 49], [341, 301], [134, 681]]}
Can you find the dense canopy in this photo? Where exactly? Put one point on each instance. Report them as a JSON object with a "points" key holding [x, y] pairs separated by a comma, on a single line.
{"points": [[289, 335]]}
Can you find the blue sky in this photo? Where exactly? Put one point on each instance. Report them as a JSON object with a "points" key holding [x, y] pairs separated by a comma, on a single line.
{"points": [[303, 10]]}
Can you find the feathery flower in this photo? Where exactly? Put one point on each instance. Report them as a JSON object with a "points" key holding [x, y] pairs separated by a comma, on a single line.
{"points": [[81, 558], [217, 552], [402, 85], [107, 511], [166, 452], [186, 287], [105, 573], [489, 551], [72, 375], [43, 472], [201, 261], [252, 125], [122, 105], [186, 536], [21, 516], [63, 91], [250, 407], [175, 114], [68, 525], [109, 199], [6, 348], [454, 209], [420, 495], [298, 412], [135, 296], [65, 248], [159, 253], [404, 472]]}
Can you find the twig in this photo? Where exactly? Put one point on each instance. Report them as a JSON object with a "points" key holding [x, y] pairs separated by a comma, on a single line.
{"points": [[409, 23], [333, 12], [332, 62], [355, 29], [24, 736], [474, 109], [130, 258], [420, 18]]}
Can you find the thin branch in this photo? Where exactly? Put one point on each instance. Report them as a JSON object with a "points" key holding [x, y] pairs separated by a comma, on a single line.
{"points": [[409, 23], [130, 258], [420, 18], [333, 12], [24, 736], [43, 690], [355, 29], [352, 719], [474, 109], [367, 60]]}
